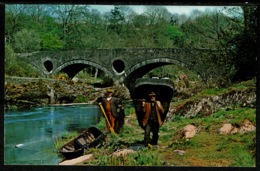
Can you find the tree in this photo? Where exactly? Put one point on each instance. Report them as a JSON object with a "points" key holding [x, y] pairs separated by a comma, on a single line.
{"points": [[208, 30], [176, 35], [11, 64], [50, 41], [94, 17], [70, 18], [17, 67], [212, 30], [139, 21], [26, 41], [157, 14], [246, 46], [116, 20], [37, 12], [158, 19], [13, 20]]}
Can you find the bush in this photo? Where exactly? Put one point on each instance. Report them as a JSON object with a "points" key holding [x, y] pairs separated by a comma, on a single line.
{"points": [[107, 81], [10, 60], [81, 99], [26, 41], [51, 42], [17, 67]]}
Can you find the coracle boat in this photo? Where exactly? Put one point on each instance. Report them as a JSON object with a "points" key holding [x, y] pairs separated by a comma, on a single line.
{"points": [[89, 138], [164, 89]]}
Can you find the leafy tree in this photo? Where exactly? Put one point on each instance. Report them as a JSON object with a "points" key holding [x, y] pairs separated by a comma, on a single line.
{"points": [[37, 12], [13, 20], [116, 19], [94, 17], [51, 42], [157, 14], [246, 46], [16, 66], [11, 64], [139, 21], [212, 30], [70, 18], [154, 30], [176, 35], [206, 30], [26, 41]]}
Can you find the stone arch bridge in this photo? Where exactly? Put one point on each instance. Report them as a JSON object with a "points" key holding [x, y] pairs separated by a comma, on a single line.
{"points": [[124, 65]]}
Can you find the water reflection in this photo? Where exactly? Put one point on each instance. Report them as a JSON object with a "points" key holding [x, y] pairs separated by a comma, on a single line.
{"points": [[35, 131]]}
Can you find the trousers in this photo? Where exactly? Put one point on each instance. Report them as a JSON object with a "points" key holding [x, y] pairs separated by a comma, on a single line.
{"points": [[154, 128]]}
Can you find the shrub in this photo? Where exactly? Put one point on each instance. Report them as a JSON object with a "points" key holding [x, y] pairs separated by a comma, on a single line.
{"points": [[26, 41], [51, 42], [17, 67], [81, 99]]}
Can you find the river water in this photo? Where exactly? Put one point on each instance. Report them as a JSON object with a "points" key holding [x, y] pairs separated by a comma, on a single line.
{"points": [[34, 131]]}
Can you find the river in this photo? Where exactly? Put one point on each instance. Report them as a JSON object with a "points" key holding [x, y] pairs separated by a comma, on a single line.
{"points": [[34, 131]]}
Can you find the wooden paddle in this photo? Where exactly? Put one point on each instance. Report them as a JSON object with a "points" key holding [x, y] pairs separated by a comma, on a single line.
{"points": [[109, 125]]}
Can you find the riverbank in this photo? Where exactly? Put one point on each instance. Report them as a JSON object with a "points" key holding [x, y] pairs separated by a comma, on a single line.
{"points": [[23, 92], [30, 133], [182, 142], [226, 137], [221, 120]]}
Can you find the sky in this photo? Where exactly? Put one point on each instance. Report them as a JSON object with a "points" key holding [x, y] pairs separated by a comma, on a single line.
{"points": [[172, 9]]}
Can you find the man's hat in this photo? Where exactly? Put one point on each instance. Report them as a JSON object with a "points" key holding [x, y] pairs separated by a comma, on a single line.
{"points": [[109, 91], [152, 94]]}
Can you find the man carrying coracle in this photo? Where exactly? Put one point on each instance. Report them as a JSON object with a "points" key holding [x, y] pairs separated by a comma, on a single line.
{"points": [[152, 119]]}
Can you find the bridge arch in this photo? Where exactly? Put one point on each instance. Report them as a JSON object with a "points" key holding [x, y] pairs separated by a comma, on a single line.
{"points": [[79, 65], [140, 69]]}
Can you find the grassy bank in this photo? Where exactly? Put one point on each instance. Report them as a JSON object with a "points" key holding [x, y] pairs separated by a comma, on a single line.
{"points": [[207, 148]]}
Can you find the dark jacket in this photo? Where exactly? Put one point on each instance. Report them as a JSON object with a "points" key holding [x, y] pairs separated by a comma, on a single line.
{"points": [[114, 104]]}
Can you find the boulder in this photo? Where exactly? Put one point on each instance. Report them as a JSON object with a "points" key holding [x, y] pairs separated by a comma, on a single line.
{"points": [[76, 160], [180, 152], [226, 128], [189, 131], [246, 126], [123, 152]]}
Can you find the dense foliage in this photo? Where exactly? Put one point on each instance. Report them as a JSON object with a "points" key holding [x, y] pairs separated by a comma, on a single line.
{"points": [[232, 31]]}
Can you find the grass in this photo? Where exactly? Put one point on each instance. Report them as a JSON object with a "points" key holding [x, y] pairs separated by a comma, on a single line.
{"points": [[65, 137], [206, 148], [238, 86], [81, 99], [214, 91], [144, 157], [129, 110]]}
